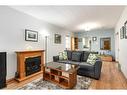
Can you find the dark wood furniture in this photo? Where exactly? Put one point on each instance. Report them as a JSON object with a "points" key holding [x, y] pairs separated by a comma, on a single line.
{"points": [[64, 75], [2, 69], [21, 56]]}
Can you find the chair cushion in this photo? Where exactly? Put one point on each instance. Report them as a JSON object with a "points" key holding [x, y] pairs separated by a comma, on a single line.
{"points": [[76, 56], [92, 58]]}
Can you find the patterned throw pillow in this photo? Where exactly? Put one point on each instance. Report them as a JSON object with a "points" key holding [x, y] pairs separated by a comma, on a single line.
{"points": [[63, 55], [60, 55], [92, 58]]}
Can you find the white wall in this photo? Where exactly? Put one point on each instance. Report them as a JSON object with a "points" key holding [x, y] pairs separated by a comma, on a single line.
{"points": [[121, 43], [12, 26]]}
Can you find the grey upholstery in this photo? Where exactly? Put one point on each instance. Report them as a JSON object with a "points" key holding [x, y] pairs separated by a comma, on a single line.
{"points": [[76, 56], [69, 53], [85, 69], [85, 56], [86, 66]]}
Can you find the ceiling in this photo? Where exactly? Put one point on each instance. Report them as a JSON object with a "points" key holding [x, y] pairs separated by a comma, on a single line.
{"points": [[72, 17]]}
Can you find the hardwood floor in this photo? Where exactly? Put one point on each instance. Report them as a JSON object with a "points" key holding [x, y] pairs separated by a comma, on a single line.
{"points": [[14, 84], [111, 78]]}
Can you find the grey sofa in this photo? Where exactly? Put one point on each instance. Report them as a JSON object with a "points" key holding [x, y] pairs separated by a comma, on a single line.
{"points": [[80, 58]]}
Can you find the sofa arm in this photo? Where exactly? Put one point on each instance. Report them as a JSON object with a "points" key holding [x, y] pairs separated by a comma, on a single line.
{"points": [[55, 58], [97, 68]]}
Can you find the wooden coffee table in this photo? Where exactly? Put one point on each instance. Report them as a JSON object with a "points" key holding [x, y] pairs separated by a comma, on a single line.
{"points": [[64, 75]]}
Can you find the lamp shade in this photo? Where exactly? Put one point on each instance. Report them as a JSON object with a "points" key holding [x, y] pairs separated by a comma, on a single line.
{"points": [[44, 33]]}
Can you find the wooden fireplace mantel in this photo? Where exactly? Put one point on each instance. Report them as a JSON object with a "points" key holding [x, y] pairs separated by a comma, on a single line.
{"points": [[21, 57]]}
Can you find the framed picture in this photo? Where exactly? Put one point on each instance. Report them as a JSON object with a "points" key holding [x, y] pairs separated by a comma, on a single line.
{"points": [[94, 38], [122, 32], [31, 35], [57, 39], [125, 29]]}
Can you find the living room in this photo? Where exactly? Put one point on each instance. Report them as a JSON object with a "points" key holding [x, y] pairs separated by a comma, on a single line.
{"points": [[46, 31]]}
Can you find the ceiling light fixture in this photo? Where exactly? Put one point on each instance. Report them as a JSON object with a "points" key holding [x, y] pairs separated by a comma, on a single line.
{"points": [[89, 26]]}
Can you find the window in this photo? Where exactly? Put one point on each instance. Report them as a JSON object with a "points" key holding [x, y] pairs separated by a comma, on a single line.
{"points": [[68, 42]]}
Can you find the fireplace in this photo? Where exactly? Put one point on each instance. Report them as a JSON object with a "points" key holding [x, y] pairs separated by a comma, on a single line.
{"points": [[29, 64], [32, 65]]}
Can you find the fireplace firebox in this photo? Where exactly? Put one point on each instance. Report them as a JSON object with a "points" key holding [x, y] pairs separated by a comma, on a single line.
{"points": [[32, 65]]}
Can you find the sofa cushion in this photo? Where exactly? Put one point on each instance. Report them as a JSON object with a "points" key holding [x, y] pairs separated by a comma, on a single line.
{"points": [[92, 58], [85, 56], [86, 66], [69, 54], [73, 62], [76, 56]]}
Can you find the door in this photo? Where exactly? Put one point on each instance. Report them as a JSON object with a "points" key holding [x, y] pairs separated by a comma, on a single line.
{"points": [[117, 46]]}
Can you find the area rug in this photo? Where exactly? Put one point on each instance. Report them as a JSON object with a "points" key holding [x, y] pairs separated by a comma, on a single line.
{"points": [[39, 84]]}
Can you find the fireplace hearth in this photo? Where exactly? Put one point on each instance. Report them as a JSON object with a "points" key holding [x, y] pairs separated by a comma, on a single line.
{"points": [[32, 65]]}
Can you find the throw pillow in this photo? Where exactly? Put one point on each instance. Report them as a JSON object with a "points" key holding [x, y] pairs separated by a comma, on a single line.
{"points": [[92, 58], [65, 55], [76, 56], [60, 55]]}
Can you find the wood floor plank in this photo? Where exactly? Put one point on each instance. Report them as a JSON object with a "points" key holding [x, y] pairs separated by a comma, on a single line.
{"points": [[111, 78]]}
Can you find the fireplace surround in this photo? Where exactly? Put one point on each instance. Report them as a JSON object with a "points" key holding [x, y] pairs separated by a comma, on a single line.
{"points": [[29, 64]]}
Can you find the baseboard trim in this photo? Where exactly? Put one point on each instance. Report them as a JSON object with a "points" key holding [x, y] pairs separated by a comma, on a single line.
{"points": [[123, 75], [10, 80]]}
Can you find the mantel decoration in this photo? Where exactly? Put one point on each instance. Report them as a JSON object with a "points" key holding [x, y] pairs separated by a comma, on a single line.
{"points": [[57, 39], [125, 29], [122, 32], [31, 35]]}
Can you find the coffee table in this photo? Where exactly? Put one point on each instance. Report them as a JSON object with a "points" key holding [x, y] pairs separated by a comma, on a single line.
{"points": [[64, 75]]}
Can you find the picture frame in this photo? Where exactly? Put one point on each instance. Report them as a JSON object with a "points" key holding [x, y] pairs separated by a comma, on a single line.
{"points": [[31, 35], [125, 30], [57, 39], [122, 32]]}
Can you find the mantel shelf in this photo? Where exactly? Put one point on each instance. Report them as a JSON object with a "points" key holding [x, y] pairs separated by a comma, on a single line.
{"points": [[26, 51]]}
